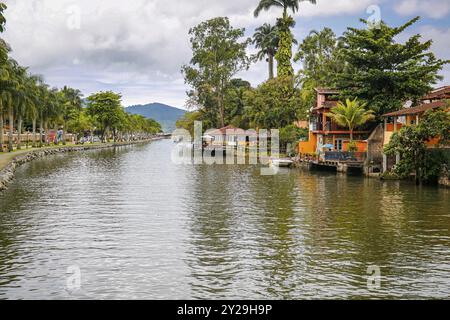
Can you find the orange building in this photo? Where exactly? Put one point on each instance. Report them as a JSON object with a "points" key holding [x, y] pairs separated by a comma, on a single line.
{"points": [[324, 132], [393, 121]]}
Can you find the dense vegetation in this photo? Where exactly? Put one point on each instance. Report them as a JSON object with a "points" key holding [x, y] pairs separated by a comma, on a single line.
{"points": [[411, 144], [372, 70], [28, 103]]}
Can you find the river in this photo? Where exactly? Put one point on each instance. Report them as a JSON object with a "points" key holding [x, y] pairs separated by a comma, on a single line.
{"points": [[129, 223]]}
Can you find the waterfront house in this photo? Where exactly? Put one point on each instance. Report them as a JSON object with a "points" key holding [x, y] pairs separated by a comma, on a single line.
{"points": [[394, 121], [324, 133], [228, 136]]}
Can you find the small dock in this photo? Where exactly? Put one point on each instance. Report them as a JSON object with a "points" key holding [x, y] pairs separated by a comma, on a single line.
{"points": [[339, 161]]}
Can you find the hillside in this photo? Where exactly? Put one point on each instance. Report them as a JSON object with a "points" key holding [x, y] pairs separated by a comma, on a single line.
{"points": [[164, 114]]}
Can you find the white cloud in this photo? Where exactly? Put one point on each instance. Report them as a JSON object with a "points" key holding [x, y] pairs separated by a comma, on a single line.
{"points": [[435, 9], [441, 45], [135, 47]]}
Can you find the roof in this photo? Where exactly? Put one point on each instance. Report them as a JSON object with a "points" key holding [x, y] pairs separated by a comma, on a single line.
{"points": [[419, 109], [438, 93], [326, 91], [223, 131]]}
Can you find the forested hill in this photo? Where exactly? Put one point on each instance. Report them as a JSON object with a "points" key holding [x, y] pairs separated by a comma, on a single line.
{"points": [[164, 114]]}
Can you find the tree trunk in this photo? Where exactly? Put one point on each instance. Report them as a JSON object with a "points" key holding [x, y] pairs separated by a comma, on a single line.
{"points": [[270, 66], [351, 134], [34, 133], [19, 132], [64, 133], [11, 128], [1, 131], [47, 141], [41, 132]]}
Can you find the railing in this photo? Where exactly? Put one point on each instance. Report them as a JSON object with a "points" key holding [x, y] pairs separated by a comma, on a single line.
{"points": [[344, 156]]}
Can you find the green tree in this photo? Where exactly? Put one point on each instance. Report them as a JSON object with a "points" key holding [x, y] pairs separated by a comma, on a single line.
{"points": [[218, 54], [284, 24], [274, 104], [235, 103], [291, 135], [320, 56], [384, 72], [187, 121], [266, 39], [105, 109], [411, 144], [2, 17], [351, 115], [72, 106]]}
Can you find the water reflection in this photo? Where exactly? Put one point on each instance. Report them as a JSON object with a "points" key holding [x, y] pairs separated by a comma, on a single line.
{"points": [[141, 227]]}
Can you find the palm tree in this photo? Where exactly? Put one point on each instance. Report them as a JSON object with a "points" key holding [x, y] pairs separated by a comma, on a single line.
{"points": [[266, 39], [284, 24], [21, 99], [2, 17], [350, 115], [72, 105], [284, 4]]}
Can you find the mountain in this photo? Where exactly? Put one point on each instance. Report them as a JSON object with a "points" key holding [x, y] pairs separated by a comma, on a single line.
{"points": [[166, 115]]}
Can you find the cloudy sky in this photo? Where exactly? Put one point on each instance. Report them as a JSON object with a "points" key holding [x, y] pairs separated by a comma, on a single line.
{"points": [[137, 47]]}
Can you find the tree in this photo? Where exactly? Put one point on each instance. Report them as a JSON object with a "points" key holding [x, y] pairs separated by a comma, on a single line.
{"points": [[284, 53], [266, 39], [274, 104], [411, 144], [2, 17], [384, 72], [320, 56], [187, 121], [351, 115], [105, 108], [72, 105], [218, 54], [291, 135], [235, 103]]}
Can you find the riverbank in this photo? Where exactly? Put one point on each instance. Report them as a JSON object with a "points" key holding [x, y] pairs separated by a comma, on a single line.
{"points": [[9, 162]]}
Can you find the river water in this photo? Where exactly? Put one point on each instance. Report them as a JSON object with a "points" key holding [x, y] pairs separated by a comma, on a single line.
{"points": [[129, 223]]}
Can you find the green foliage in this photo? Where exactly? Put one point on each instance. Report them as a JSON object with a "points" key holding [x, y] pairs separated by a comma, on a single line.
{"points": [[235, 103], [410, 144], [352, 146], [382, 71], [284, 53], [105, 109], [320, 56], [351, 114], [266, 39], [2, 17], [284, 4], [187, 121], [274, 104], [218, 54], [291, 135]]}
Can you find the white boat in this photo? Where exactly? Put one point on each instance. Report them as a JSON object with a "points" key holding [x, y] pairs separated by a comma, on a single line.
{"points": [[281, 162]]}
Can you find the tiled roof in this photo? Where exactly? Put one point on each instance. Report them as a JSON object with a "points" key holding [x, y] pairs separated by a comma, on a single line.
{"points": [[439, 93], [419, 109]]}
